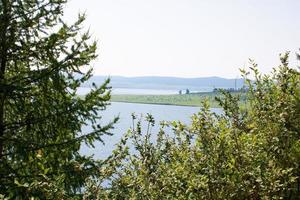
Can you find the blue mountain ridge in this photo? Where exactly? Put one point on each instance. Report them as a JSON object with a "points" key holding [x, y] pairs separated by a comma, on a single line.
{"points": [[167, 83]]}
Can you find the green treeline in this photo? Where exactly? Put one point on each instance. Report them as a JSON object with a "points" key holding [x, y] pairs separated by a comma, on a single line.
{"points": [[248, 152]]}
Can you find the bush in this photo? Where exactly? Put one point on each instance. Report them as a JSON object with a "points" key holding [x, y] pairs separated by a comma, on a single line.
{"points": [[249, 152]]}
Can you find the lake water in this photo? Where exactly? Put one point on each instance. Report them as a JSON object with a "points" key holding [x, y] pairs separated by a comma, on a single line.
{"points": [[133, 91], [85, 90], [124, 111]]}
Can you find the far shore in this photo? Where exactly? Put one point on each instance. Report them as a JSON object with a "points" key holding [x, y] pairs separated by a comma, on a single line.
{"points": [[154, 103], [193, 100]]}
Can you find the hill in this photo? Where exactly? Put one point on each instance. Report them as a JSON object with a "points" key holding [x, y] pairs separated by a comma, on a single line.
{"points": [[169, 83]]}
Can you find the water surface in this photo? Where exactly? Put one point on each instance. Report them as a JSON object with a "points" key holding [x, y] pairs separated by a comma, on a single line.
{"points": [[133, 91], [124, 111]]}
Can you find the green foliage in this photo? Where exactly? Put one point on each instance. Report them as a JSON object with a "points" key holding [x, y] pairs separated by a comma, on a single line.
{"points": [[43, 61], [245, 153]]}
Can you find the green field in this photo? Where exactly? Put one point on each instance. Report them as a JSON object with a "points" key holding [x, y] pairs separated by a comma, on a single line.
{"points": [[182, 100]]}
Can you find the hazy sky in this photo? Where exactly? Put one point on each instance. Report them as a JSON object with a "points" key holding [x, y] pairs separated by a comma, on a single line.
{"points": [[189, 38]]}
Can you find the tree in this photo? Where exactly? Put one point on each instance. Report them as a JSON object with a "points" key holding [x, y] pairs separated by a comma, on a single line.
{"points": [[43, 61], [187, 91]]}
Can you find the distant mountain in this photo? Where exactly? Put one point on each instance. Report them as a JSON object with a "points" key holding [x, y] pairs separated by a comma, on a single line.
{"points": [[168, 83]]}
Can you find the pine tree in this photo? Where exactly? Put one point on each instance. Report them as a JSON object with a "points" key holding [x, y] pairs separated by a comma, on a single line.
{"points": [[43, 61]]}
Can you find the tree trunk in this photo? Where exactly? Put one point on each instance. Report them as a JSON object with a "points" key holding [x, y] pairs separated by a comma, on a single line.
{"points": [[4, 22]]}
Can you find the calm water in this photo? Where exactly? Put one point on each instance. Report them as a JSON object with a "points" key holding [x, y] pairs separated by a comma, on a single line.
{"points": [[124, 110], [85, 90]]}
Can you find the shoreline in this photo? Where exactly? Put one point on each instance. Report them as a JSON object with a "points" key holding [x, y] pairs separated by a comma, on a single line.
{"points": [[153, 103], [190, 100]]}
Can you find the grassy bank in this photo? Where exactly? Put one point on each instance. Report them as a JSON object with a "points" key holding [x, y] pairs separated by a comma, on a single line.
{"points": [[182, 100]]}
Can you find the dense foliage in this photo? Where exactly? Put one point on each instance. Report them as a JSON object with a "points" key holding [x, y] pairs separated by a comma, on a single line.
{"points": [[245, 153], [43, 61]]}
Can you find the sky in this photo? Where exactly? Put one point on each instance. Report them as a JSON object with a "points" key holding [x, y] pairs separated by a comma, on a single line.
{"points": [[189, 38]]}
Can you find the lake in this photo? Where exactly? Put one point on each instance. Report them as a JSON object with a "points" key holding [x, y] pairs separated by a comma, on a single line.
{"points": [[133, 91], [124, 111], [119, 91]]}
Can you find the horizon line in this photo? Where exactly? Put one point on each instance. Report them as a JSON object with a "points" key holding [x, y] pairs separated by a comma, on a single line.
{"points": [[165, 76]]}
